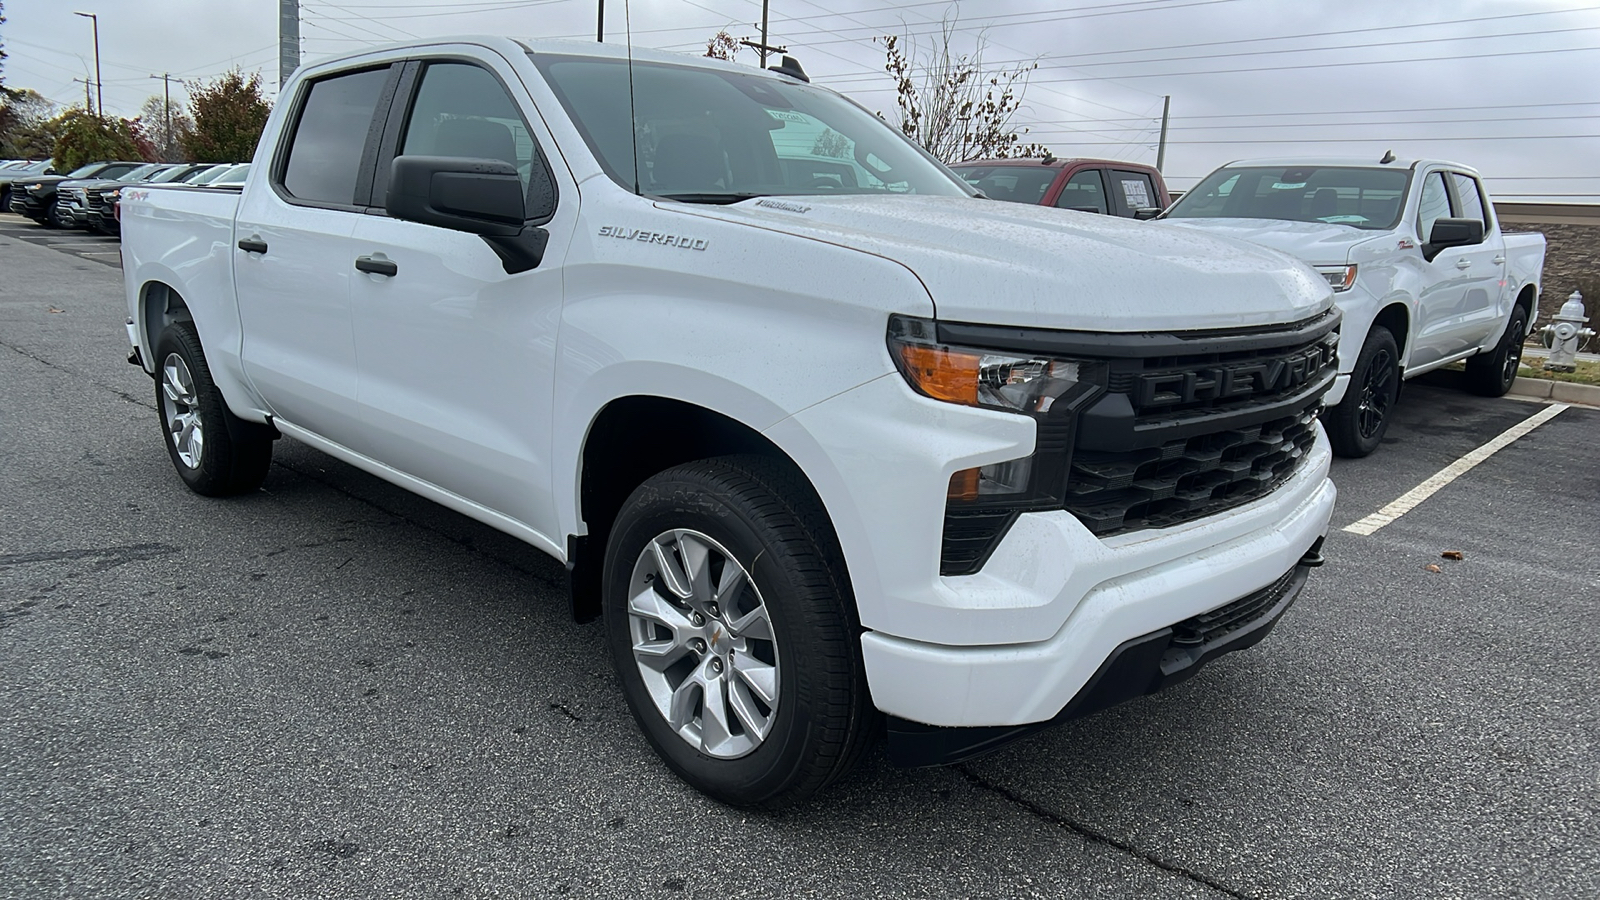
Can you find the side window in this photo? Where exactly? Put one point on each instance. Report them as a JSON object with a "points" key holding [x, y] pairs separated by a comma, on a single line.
{"points": [[1471, 199], [1085, 191], [461, 110], [330, 137], [1434, 205], [1134, 190]]}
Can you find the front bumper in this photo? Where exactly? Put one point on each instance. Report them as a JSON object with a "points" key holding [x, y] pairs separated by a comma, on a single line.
{"points": [[1152, 580], [1137, 667], [1336, 393]]}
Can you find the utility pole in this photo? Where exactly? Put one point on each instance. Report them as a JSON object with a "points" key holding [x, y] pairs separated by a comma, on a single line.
{"points": [[763, 50], [88, 98], [288, 39], [99, 97], [1161, 151], [166, 109], [600, 24]]}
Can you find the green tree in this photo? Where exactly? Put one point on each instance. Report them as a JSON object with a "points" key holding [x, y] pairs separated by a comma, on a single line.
{"points": [[229, 114], [83, 137], [25, 119]]}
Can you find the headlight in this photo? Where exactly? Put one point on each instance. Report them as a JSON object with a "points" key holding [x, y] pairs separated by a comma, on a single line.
{"points": [[1044, 388], [1340, 278], [976, 377]]}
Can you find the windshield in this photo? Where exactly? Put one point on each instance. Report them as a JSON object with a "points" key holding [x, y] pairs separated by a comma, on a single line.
{"points": [[141, 173], [235, 175], [210, 175], [1018, 184], [715, 137], [1360, 197], [86, 171], [172, 174]]}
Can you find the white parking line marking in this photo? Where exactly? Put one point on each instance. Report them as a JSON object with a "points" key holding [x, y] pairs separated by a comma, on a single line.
{"points": [[1412, 498]]}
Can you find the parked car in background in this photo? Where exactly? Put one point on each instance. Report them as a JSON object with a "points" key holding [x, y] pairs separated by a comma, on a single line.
{"points": [[36, 197], [1415, 254], [21, 169], [1108, 187], [72, 197], [212, 174], [235, 175], [809, 444], [101, 199]]}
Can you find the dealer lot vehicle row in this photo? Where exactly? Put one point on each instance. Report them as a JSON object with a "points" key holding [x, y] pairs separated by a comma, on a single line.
{"points": [[332, 687]]}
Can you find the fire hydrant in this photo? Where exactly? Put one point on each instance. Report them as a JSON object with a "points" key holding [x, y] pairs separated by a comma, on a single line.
{"points": [[1566, 335]]}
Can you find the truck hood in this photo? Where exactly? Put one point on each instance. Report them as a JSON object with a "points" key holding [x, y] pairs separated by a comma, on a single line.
{"points": [[1318, 243], [991, 262]]}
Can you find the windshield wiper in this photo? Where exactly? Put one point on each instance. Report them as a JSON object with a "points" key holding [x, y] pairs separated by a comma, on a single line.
{"points": [[721, 198]]}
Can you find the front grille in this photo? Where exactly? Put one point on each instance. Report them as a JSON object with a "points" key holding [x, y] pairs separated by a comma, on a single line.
{"points": [[1179, 426], [1210, 627], [1183, 480]]}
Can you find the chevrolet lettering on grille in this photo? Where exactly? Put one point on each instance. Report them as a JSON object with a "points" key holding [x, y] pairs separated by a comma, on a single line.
{"points": [[1233, 382]]}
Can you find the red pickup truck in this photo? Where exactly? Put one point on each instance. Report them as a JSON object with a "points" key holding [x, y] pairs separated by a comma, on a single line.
{"points": [[1105, 186]]}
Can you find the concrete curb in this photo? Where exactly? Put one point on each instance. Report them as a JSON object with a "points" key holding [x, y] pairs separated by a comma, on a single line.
{"points": [[1565, 392]]}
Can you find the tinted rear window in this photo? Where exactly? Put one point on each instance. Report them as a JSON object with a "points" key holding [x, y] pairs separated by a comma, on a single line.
{"points": [[325, 152]]}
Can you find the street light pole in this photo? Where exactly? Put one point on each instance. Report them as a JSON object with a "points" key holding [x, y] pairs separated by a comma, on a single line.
{"points": [[600, 25], [99, 96]]}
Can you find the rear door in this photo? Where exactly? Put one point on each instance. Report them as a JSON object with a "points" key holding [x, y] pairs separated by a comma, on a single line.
{"points": [[1481, 309], [293, 249], [1132, 191], [457, 356]]}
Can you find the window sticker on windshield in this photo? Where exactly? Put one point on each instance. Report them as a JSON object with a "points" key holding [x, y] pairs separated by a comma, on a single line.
{"points": [[1137, 194], [1284, 186], [786, 116]]}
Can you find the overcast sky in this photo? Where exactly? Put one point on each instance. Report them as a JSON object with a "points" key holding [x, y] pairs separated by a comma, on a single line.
{"points": [[1511, 87]]}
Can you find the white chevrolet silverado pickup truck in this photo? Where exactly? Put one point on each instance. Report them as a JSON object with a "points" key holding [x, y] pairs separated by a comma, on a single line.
{"points": [[828, 441], [1413, 248]]}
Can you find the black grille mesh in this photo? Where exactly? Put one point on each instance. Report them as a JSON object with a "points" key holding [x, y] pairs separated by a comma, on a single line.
{"points": [[1212, 626], [1186, 479]]}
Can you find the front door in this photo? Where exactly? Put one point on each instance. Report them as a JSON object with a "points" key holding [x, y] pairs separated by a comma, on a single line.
{"points": [[457, 356]]}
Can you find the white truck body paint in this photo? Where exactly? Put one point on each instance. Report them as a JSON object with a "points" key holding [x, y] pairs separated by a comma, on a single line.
{"points": [[477, 388]]}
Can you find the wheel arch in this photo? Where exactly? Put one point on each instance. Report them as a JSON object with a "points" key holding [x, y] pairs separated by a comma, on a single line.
{"points": [[632, 438], [1396, 317], [160, 305]]}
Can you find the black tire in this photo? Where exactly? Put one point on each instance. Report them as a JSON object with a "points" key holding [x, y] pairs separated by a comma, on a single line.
{"points": [[1492, 374], [232, 455], [765, 517], [55, 216], [1356, 426]]}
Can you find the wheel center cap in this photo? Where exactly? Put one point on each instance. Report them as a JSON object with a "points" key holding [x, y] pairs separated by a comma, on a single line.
{"points": [[717, 635]]}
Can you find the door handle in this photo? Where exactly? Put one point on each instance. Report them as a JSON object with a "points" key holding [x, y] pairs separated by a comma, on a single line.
{"points": [[1499, 260], [376, 266], [253, 244], [1463, 263]]}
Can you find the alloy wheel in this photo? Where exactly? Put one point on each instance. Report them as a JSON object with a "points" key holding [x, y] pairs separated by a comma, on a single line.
{"points": [[180, 408], [703, 643], [1377, 393]]}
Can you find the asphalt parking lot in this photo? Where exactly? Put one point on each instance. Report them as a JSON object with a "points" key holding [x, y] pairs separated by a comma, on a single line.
{"points": [[334, 689]]}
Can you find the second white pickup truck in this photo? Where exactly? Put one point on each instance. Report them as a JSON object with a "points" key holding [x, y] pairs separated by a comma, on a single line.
{"points": [[1414, 250], [818, 432]]}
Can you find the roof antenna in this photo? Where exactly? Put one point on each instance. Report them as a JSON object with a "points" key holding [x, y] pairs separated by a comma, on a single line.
{"points": [[1388, 157], [1048, 157], [633, 118]]}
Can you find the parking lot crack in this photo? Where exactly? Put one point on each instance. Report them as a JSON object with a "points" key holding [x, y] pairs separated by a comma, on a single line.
{"points": [[1093, 836], [121, 394]]}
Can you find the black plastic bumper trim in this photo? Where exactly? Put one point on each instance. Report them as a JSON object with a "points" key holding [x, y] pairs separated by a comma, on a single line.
{"points": [[1140, 666]]}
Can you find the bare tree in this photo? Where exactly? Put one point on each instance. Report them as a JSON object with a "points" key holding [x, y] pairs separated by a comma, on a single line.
{"points": [[154, 117], [723, 46], [954, 105]]}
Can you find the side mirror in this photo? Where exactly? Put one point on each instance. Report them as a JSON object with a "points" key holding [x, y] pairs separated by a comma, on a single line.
{"points": [[1147, 212], [478, 196], [1452, 233]]}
